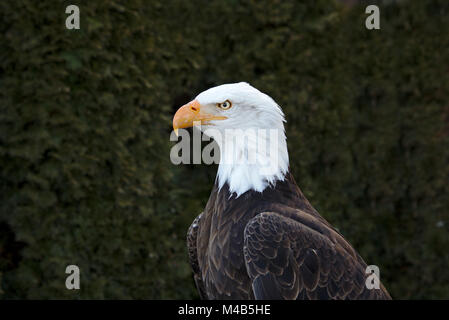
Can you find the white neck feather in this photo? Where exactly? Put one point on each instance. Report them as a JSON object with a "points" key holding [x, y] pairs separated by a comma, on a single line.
{"points": [[254, 163]]}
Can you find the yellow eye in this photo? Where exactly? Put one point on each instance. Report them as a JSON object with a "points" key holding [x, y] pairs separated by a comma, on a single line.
{"points": [[225, 105]]}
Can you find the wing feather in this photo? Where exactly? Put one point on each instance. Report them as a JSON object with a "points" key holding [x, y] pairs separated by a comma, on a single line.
{"points": [[192, 235], [286, 259]]}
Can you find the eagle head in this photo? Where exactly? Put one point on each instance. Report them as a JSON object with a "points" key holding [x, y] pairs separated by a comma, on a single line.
{"points": [[248, 126]]}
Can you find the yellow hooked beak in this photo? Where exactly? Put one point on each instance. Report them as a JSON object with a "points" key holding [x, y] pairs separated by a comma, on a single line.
{"points": [[190, 113]]}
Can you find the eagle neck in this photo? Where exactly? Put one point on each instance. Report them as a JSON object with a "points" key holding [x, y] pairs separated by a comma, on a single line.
{"points": [[253, 159]]}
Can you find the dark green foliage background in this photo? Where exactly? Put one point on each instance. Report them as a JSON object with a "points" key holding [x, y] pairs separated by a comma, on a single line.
{"points": [[85, 119]]}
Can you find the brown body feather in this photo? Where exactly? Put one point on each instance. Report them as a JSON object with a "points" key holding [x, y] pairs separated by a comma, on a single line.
{"points": [[272, 245]]}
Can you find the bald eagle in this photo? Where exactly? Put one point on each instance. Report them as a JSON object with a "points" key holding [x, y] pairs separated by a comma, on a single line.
{"points": [[259, 237]]}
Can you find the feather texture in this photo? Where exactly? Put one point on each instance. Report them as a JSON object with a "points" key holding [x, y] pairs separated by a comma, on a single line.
{"points": [[272, 245]]}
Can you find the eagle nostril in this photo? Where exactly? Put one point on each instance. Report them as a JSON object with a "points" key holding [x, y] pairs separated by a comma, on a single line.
{"points": [[194, 109]]}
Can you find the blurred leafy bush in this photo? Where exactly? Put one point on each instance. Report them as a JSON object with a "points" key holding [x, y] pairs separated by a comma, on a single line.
{"points": [[85, 121]]}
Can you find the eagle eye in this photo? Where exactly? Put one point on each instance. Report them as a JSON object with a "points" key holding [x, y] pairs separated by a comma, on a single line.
{"points": [[225, 105]]}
